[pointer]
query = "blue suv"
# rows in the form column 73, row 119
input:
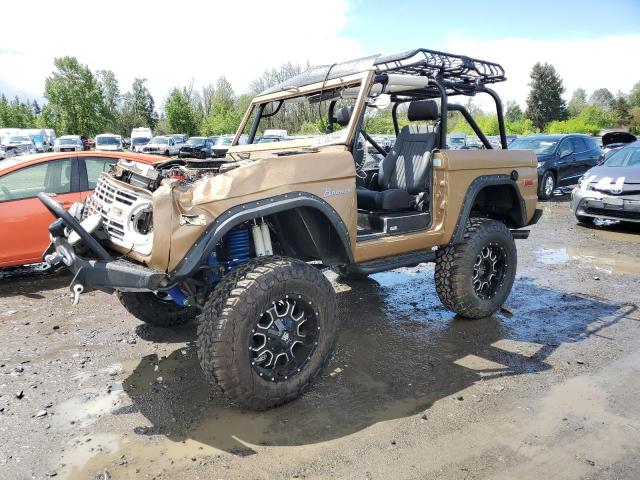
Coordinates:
column 562, row 159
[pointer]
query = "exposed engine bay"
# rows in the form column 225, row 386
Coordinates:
column 150, row 177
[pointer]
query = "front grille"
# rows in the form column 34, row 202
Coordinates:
column 114, row 205
column 605, row 212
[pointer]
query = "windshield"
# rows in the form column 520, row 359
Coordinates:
column 108, row 141
column 67, row 141
column 139, row 140
column 305, row 115
column 162, row 140
column 19, row 139
column 625, row 157
column 196, row 141
column 539, row 146
column 457, row 141
column 269, row 139
column 224, row 141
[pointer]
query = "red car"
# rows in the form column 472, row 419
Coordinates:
column 67, row 176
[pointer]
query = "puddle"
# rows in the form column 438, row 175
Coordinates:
column 589, row 257
column 85, row 448
column 85, row 409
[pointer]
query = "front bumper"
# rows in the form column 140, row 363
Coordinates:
column 106, row 275
column 594, row 204
column 98, row 269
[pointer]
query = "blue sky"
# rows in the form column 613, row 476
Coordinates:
column 379, row 26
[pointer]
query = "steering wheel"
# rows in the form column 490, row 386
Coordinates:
column 6, row 191
column 58, row 211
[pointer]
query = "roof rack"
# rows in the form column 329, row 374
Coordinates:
column 441, row 65
column 459, row 73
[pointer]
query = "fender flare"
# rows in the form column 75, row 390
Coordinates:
column 472, row 194
column 230, row 218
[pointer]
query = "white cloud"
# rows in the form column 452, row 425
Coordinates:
column 169, row 43
column 606, row 61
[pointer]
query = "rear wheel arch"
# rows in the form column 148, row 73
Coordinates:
column 491, row 196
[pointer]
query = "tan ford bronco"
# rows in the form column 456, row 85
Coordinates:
column 240, row 243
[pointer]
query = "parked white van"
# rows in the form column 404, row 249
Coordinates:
column 109, row 142
column 139, row 137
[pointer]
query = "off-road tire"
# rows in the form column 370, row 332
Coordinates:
column 455, row 264
column 151, row 309
column 230, row 314
column 542, row 194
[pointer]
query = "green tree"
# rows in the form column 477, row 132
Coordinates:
column 181, row 115
column 545, row 103
column 224, row 117
column 620, row 109
column 634, row 120
column 578, row 102
column 140, row 105
column 74, row 93
column 35, row 108
column 513, row 112
column 602, row 98
column 112, row 98
column 634, row 95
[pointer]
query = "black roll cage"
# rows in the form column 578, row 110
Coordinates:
column 443, row 93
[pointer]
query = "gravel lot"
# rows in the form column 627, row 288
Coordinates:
column 547, row 388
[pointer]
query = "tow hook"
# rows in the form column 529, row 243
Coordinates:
column 78, row 288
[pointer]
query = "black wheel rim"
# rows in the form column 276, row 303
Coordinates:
column 284, row 338
column 489, row 271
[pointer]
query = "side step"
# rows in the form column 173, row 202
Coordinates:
column 405, row 260
column 520, row 234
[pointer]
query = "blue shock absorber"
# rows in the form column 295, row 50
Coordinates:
column 237, row 247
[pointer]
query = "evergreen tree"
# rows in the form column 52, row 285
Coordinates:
column 578, row 102
column 545, row 103
column 620, row 109
column 513, row 112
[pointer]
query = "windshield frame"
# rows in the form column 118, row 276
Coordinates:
column 362, row 79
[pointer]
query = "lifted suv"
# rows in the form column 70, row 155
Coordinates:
column 241, row 242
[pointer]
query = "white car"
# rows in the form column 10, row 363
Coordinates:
column 68, row 143
column 109, row 142
column 161, row 145
column 23, row 144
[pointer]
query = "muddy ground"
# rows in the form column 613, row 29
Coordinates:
column 548, row 388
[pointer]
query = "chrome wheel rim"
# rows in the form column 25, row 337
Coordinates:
column 548, row 186
column 284, row 338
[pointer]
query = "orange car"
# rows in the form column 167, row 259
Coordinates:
column 67, row 176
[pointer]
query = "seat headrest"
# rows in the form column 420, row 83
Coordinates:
column 343, row 116
column 423, row 110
